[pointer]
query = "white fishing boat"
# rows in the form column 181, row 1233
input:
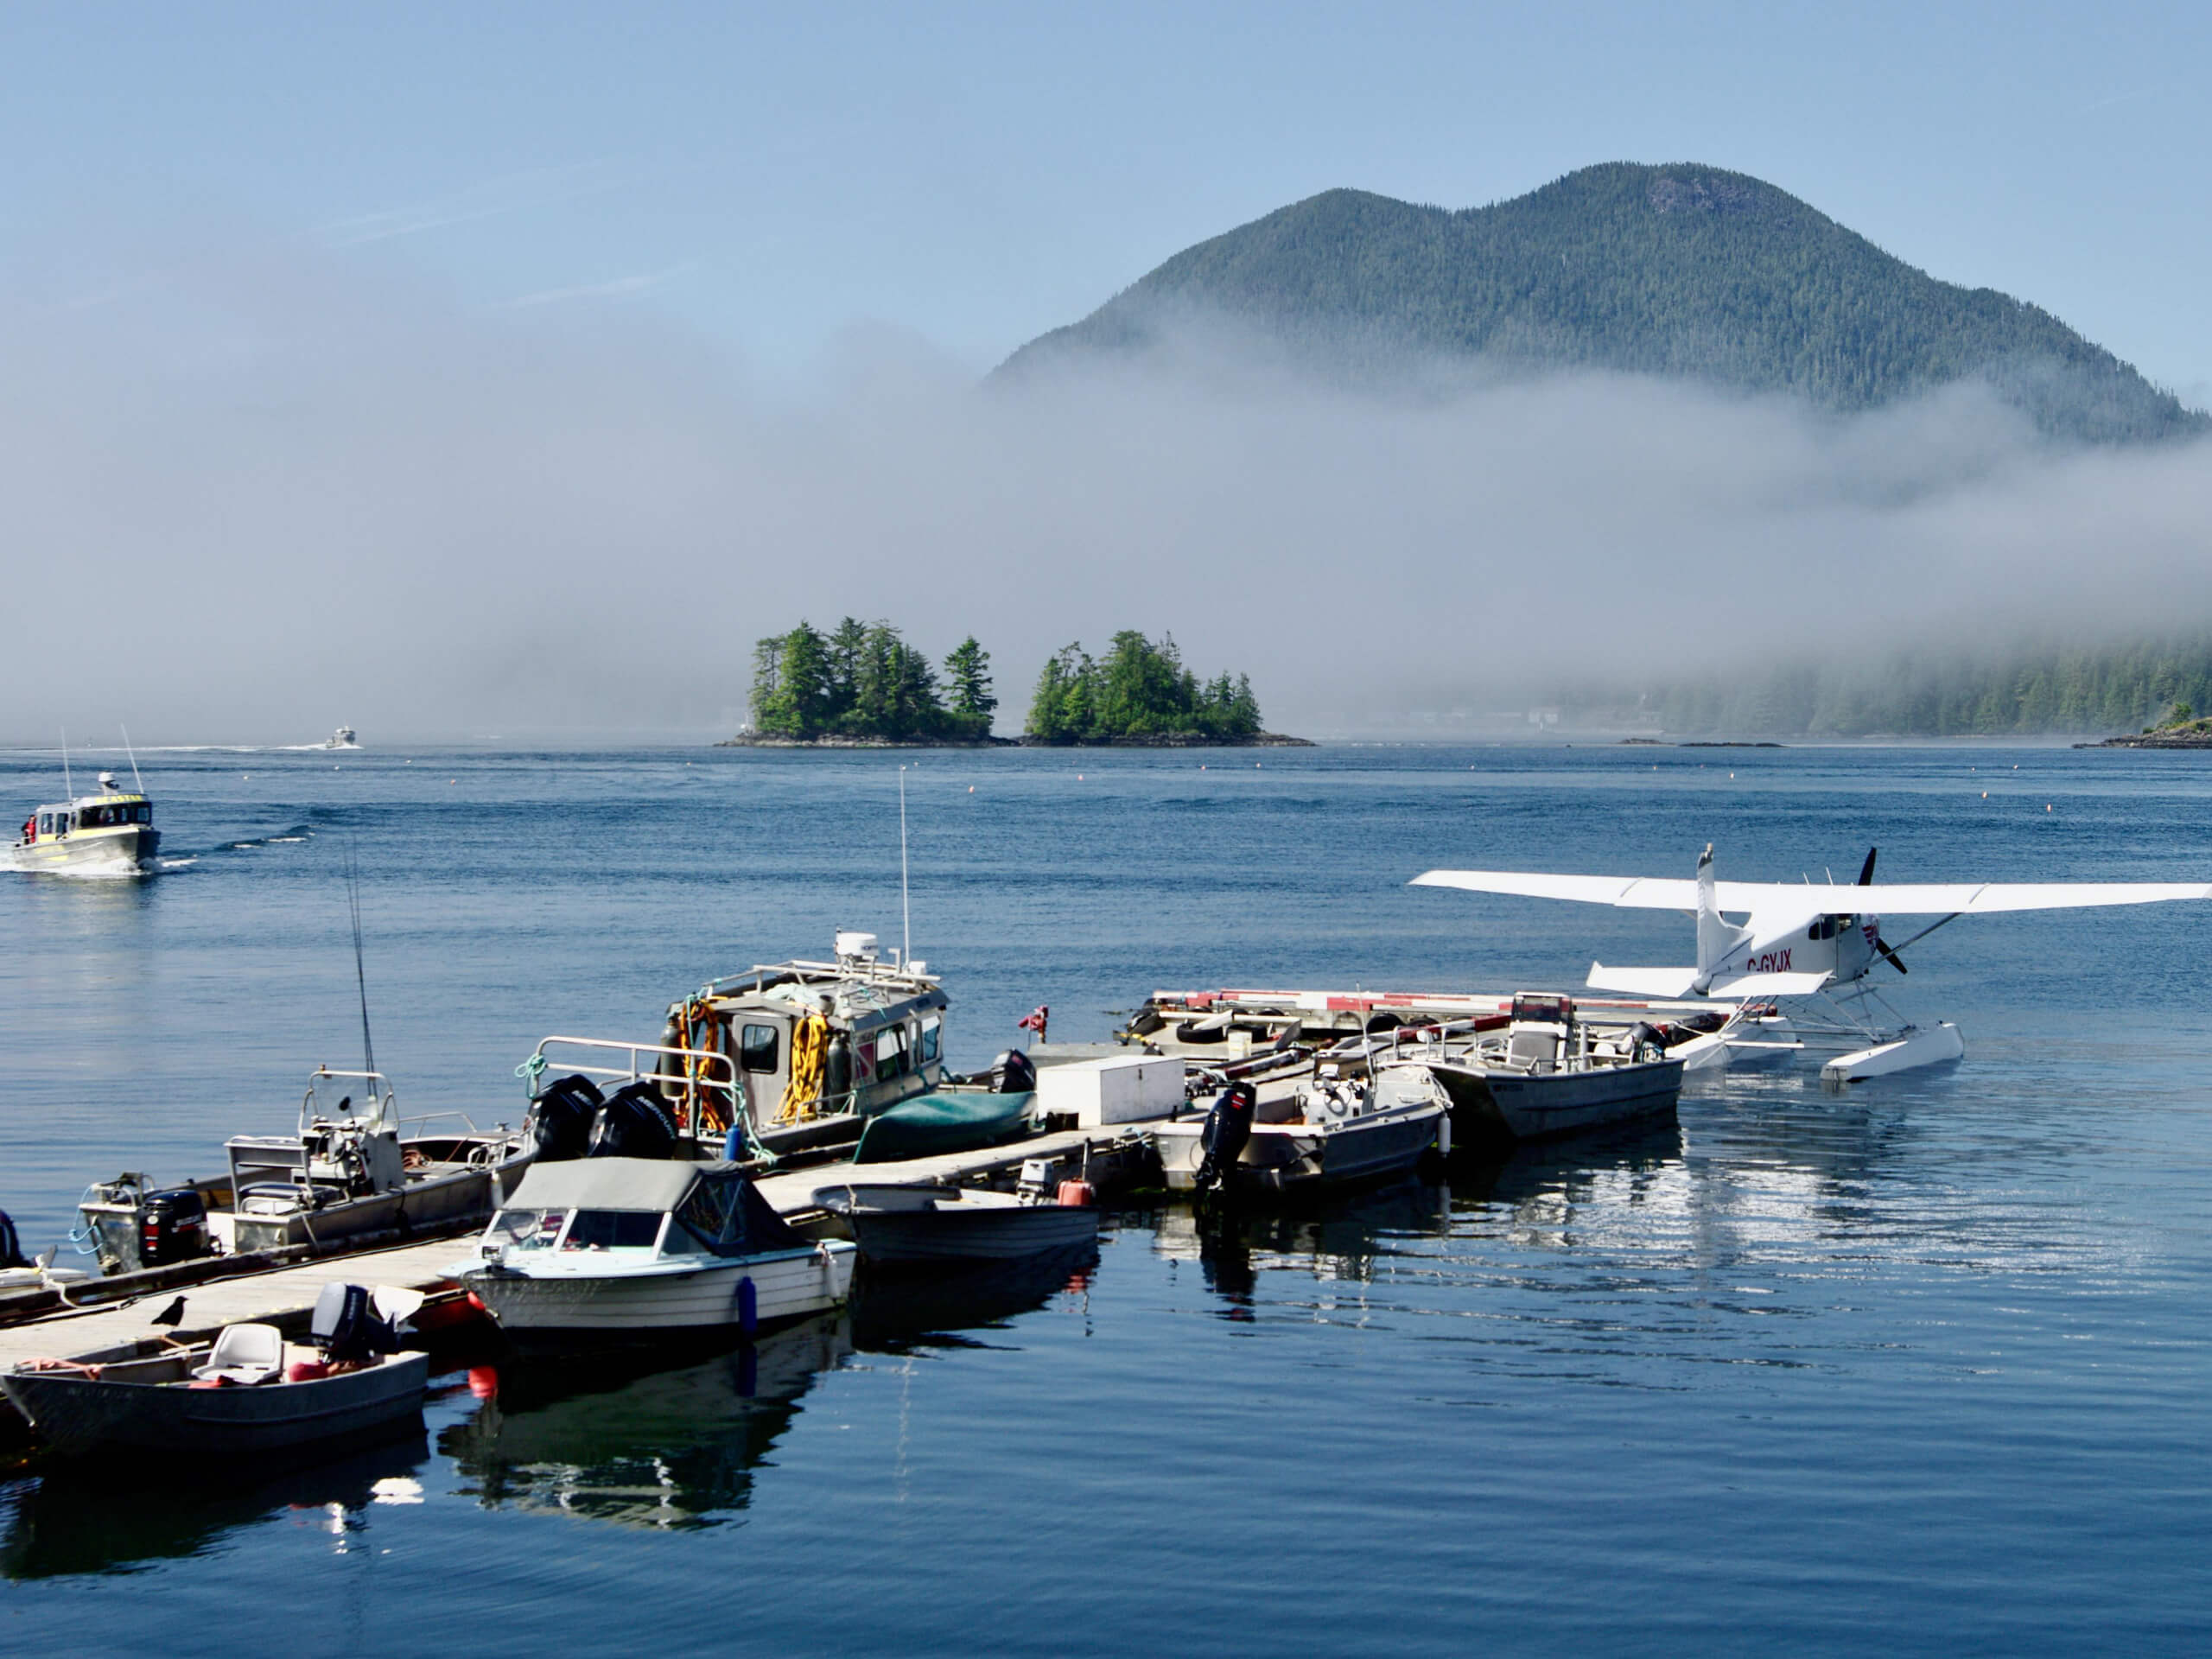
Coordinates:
column 341, row 1181
column 109, row 832
column 611, row 1249
column 340, row 739
column 1547, row 1073
column 1328, row 1130
column 249, row 1391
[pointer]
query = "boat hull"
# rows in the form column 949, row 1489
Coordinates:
column 437, row 1204
column 1006, row 1234
column 580, row 1308
column 125, row 849
column 79, row 1416
column 1284, row 1157
column 1500, row 1105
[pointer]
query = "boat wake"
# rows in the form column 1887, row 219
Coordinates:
column 298, row 832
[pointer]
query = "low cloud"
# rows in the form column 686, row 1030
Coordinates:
column 256, row 497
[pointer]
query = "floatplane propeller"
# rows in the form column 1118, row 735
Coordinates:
column 1802, row 940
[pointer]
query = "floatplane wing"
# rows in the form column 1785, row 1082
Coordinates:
column 1780, row 898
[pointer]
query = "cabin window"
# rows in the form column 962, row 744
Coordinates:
column 864, row 1057
column 142, row 813
column 891, row 1051
column 756, row 1048
column 613, row 1229
column 932, row 1031
column 527, row 1229
column 706, row 1212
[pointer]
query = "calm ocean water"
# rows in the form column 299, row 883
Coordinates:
column 1922, row 1368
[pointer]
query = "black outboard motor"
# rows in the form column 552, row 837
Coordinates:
column 1227, row 1127
column 346, row 1326
column 1013, row 1073
column 634, row 1123
column 11, row 1248
column 1646, row 1043
column 172, row 1227
column 561, row 1118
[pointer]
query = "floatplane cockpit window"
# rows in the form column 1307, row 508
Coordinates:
column 756, row 1048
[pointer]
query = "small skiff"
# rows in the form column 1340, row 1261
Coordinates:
column 924, row 1225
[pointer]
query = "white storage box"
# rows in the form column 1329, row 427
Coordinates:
column 1118, row 1090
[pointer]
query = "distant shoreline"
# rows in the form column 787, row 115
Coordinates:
column 1176, row 740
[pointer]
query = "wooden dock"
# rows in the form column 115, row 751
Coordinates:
column 286, row 1296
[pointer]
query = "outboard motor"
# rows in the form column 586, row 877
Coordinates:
column 346, row 1326
column 634, row 1123
column 1014, row 1073
column 1228, row 1128
column 172, row 1227
column 11, row 1248
column 1646, row 1043
column 561, row 1118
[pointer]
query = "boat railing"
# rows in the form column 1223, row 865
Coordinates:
column 379, row 1118
column 417, row 1128
column 696, row 1077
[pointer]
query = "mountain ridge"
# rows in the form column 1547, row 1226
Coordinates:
column 1682, row 270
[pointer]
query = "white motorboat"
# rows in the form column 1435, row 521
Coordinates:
column 1547, row 1073
column 601, row 1249
column 111, row 831
column 1327, row 1131
column 340, row 739
column 249, row 1391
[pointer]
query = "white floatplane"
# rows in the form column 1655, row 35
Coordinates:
column 1815, row 942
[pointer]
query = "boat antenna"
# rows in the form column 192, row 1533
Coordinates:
column 360, row 974
column 905, row 910
column 133, row 754
column 67, row 788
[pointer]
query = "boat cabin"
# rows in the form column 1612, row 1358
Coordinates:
column 113, row 809
column 634, row 1210
column 818, row 1046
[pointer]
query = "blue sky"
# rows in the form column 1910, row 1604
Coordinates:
column 771, row 177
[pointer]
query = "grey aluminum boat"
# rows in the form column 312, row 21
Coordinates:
column 249, row 1391
column 1546, row 1074
column 926, row 1225
column 1329, row 1131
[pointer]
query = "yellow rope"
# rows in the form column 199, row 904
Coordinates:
column 810, row 1042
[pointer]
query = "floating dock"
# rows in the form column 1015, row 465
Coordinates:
column 285, row 1296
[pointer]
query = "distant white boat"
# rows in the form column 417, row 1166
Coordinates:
column 341, row 739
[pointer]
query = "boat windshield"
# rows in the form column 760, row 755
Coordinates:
column 613, row 1229
column 527, row 1229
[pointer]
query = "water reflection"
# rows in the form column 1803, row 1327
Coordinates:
column 629, row 1439
column 103, row 1518
column 895, row 1315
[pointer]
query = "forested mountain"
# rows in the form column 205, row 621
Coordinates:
column 1941, row 693
column 1681, row 270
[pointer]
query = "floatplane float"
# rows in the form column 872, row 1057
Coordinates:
column 1814, row 945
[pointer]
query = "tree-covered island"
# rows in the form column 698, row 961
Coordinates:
column 862, row 683
column 1141, row 694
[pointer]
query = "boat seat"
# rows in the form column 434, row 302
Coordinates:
column 245, row 1354
column 1536, row 1047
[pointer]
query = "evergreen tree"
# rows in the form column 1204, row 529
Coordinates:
column 968, row 675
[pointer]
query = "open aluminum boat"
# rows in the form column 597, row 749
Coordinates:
column 1546, row 1074
column 1328, row 1131
column 601, row 1249
column 249, row 1391
column 923, row 1225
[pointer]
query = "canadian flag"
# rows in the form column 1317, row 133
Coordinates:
column 1035, row 1020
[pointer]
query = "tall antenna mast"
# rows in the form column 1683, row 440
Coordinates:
column 67, row 788
column 360, row 974
column 905, row 910
column 133, row 754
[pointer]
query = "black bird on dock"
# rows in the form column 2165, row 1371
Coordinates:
column 173, row 1315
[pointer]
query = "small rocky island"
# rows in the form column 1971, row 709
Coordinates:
column 862, row 686
column 2182, row 729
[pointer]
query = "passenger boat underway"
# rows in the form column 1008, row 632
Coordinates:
column 340, row 739
column 112, row 831
column 340, row 1181
column 1328, row 1130
column 609, row 1249
column 1546, row 1073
